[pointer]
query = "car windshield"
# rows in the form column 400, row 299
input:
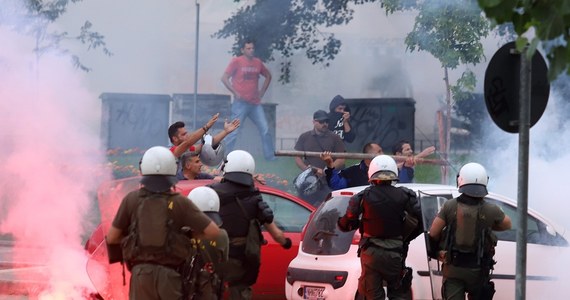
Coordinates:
column 322, row 235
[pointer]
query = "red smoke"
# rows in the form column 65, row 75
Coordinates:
column 50, row 165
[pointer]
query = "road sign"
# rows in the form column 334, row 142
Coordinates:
column 502, row 88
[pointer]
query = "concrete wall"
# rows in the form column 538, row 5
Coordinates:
column 142, row 120
column 134, row 120
column 381, row 120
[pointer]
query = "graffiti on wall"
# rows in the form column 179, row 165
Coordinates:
column 385, row 124
column 138, row 119
column 134, row 120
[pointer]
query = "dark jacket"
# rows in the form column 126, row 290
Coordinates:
column 235, row 222
column 336, row 121
column 355, row 175
column 383, row 210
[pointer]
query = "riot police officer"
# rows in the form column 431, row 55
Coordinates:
column 206, row 276
column 382, row 247
column 147, row 230
column 243, row 210
column 468, row 253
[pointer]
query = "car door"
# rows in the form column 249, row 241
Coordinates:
column 544, row 247
column 431, row 202
column 290, row 217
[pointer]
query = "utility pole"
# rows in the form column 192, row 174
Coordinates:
column 196, row 63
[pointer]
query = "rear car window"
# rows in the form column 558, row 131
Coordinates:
column 322, row 235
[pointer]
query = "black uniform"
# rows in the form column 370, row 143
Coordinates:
column 382, row 248
column 242, row 270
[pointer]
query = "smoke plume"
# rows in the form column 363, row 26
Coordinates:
column 51, row 163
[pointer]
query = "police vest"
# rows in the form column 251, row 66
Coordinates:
column 234, row 221
column 468, row 241
column 383, row 211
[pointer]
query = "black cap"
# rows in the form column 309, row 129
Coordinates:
column 320, row 115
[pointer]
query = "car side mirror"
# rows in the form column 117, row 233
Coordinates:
column 550, row 230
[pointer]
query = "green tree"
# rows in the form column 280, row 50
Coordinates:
column 548, row 19
column 451, row 31
column 34, row 17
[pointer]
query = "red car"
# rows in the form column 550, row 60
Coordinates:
column 291, row 214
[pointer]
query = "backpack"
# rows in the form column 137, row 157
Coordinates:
column 253, row 240
column 203, row 274
column 152, row 235
column 475, row 246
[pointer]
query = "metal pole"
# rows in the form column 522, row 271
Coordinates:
column 350, row 155
column 522, row 198
column 196, row 63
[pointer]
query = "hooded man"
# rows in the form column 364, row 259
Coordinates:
column 339, row 117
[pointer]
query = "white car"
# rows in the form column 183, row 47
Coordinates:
column 326, row 266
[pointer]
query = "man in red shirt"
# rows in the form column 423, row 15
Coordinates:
column 183, row 141
column 241, row 78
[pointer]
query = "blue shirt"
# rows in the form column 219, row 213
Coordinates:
column 406, row 174
column 355, row 175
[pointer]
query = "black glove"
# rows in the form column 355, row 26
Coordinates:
column 114, row 252
column 287, row 244
column 432, row 247
column 345, row 224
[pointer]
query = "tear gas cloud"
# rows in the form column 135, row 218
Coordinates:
column 51, row 162
column 153, row 45
column 549, row 160
column 154, row 48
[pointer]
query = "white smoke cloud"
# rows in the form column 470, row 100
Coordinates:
column 548, row 161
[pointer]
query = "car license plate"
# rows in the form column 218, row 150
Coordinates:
column 313, row 292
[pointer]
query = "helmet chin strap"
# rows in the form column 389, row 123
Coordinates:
column 457, row 180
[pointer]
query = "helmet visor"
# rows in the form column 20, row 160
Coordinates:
column 474, row 190
column 214, row 216
column 158, row 183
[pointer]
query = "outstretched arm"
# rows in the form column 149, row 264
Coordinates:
column 426, row 152
column 194, row 137
column 228, row 128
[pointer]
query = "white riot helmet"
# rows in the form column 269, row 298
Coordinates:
column 211, row 155
column 239, row 167
column 307, row 183
column 383, row 167
column 208, row 201
column 158, row 167
column 472, row 180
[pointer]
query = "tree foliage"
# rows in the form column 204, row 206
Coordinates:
column 448, row 29
column 550, row 21
column 288, row 27
column 34, row 17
